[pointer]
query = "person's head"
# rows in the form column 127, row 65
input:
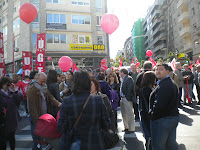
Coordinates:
column 51, row 77
column 15, row 78
column 147, row 65
column 69, row 75
column 5, row 83
column 32, row 74
column 26, row 78
column 41, row 78
column 90, row 72
column 148, row 79
column 81, row 82
column 123, row 72
column 186, row 67
column 59, row 79
column 101, row 76
column 19, row 76
column 95, row 87
column 63, row 78
column 97, row 71
column 133, row 67
column 178, row 65
column 198, row 67
column 162, row 70
column 113, row 78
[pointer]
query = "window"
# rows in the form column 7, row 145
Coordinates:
column 34, row 40
column 56, row 38
column 98, row 20
column 35, row 23
column 14, row 25
column 14, row 10
column 100, row 40
column 193, row 11
column 36, row 3
column 79, row 19
column 81, row 2
column 56, row 18
column 98, row 5
column 5, row 30
column 52, row 1
column 18, row 23
column 84, row 39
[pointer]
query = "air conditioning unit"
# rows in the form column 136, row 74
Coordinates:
column 16, row 49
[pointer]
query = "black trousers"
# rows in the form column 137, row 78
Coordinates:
column 9, row 138
column 198, row 91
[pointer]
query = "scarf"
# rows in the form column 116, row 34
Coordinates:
column 42, row 90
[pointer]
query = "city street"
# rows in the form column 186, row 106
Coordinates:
column 187, row 132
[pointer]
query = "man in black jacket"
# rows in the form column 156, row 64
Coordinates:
column 164, row 111
column 127, row 99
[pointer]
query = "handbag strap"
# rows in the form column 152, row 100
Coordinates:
column 79, row 117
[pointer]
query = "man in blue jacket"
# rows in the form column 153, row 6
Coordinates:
column 164, row 111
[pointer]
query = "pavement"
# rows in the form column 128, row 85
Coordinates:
column 187, row 132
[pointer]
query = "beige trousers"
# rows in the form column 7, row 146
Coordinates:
column 127, row 114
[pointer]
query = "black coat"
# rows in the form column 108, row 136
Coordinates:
column 53, row 88
column 164, row 100
column 128, row 88
column 2, row 119
column 88, row 130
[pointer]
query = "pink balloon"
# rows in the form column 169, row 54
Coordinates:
column 49, row 58
column 28, row 12
column 149, row 53
column 137, row 64
column 65, row 63
column 109, row 23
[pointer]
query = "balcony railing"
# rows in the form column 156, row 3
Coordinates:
column 185, row 32
column 181, row 3
column 183, row 17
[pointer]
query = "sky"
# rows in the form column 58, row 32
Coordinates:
column 127, row 11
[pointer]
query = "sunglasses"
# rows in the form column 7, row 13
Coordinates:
column 8, row 84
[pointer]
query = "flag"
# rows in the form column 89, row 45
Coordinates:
column 173, row 64
column 132, row 61
column 74, row 68
column 153, row 61
column 136, row 59
column 197, row 62
column 120, row 61
column 53, row 67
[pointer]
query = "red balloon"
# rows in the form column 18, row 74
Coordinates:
column 149, row 53
column 49, row 58
column 137, row 64
column 109, row 23
column 28, row 12
column 103, row 61
column 65, row 63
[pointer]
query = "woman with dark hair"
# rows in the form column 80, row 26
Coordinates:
column 105, row 88
column 147, row 85
column 53, row 88
column 86, row 135
column 95, row 90
column 66, row 86
column 10, row 101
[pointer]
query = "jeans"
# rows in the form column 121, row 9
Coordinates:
column 163, row 133
column 36, row 146
column 76, row 145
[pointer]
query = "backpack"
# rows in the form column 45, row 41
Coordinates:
column 114, row 99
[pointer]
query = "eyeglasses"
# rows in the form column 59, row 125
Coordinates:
column 68, row 74
column 8, row 84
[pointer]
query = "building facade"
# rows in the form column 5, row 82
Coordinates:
column 72, row 28
column 173, row 25
column 128, row 49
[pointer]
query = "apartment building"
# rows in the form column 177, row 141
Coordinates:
column 173, row 25
column 72, row 28
column 128, row 49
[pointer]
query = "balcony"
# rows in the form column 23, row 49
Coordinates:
column 188, row 46
column 184, row 17
column 185, row 32
column 160, row 47
column 182, row 4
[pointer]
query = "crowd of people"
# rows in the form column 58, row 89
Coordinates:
column 87, row 103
